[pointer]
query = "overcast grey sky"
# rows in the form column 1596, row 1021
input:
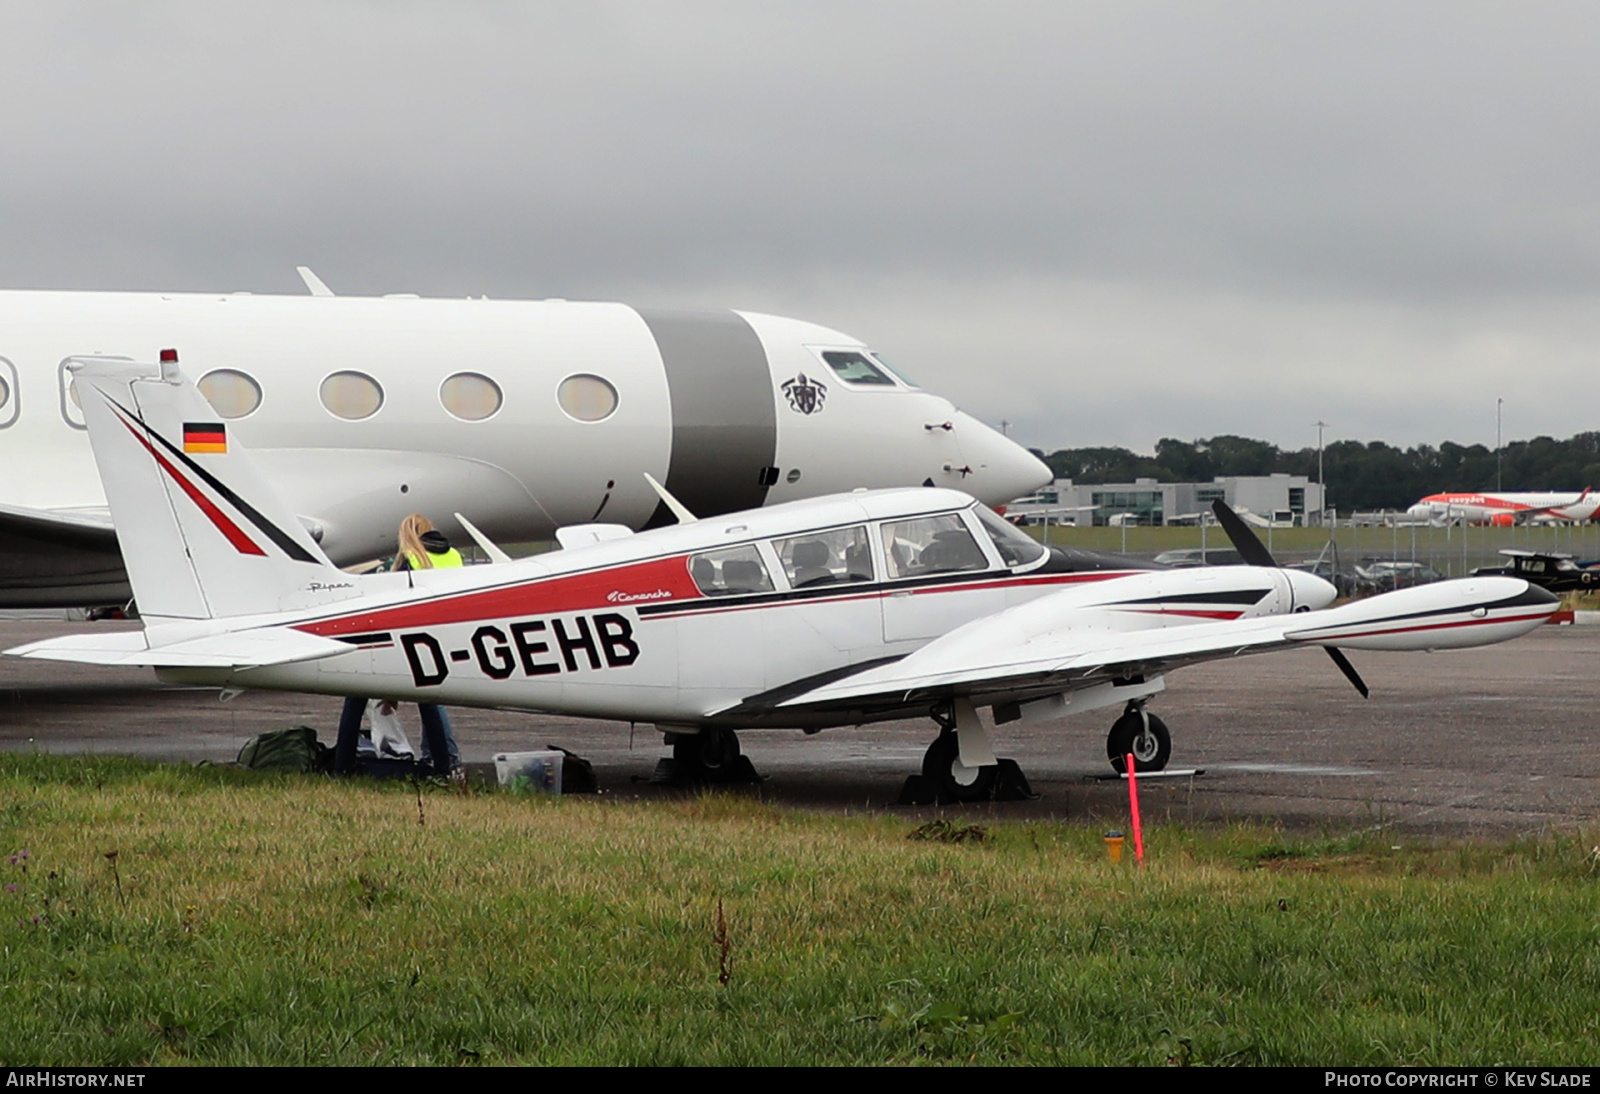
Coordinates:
column 1105, row 222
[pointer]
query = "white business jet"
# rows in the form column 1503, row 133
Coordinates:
column 529, row 415
column 826, row 612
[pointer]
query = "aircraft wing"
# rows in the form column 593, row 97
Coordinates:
column 59, row 557
column 996, row 659
column 237, row 649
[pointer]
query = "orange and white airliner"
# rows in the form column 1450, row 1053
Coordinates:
column 842, row 610
column 1506, row 509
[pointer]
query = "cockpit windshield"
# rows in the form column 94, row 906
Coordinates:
column 1016, row 547
column 856, row 368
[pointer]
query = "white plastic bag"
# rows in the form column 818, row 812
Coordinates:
column 388, row 735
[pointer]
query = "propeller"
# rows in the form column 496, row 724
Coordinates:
column 1255, row 553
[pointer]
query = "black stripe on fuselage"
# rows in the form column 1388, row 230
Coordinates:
column 285, row 543
column 1229, row 596
column 772, row 698
column 377, row 638
column 850, row 590
column 724, row 411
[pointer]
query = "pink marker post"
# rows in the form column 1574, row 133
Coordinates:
column 1133, row 806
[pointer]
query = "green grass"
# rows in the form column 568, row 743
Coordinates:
column 277, row 920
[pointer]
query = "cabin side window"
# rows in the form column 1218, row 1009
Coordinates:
column 10, row 395
column 835, row 557
column 231, row 393
column 730, row 572
column 930, row 545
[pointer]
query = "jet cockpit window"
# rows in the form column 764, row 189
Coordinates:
column 897, row 373
column 834, row 557
column 931, row 545
column 231, row 393
column 730, row 572
column 470, row 396
column 1016, row 547
column 351, row 395
column 856, row 368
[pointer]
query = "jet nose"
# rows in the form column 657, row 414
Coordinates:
column 1002, row 470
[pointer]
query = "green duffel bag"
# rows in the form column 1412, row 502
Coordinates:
column 292, row 749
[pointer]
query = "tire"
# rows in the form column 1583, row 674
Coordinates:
column 712, row 751
column 1150, row 750
column 954, row 780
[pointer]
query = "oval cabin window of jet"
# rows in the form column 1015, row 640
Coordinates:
column 587, row 398
column 10, row 400
column 351, row 395
column 470, row 397
column 231, row 393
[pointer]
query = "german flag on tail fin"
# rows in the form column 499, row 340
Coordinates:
column 205, row 437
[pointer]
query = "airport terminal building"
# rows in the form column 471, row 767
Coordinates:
column 1286, row 500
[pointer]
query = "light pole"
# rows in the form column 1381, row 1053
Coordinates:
column 1499, row 459
column 1322, row 486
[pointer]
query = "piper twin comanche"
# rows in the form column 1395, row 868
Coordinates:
column 835, row 611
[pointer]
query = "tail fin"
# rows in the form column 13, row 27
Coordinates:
column 202, row 534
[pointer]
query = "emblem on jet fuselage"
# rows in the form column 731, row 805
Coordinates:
column 805, row 394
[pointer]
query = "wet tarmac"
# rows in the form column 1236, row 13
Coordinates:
column 1491, row 742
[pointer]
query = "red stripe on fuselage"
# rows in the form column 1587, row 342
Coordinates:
column 1197, row 613
column 622, row 587
column 235, row 535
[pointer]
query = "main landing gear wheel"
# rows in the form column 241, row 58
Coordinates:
column 710, row 755
column 953, row 780
column 1143, row 734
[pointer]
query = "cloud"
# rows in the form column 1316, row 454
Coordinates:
column 1100, row 222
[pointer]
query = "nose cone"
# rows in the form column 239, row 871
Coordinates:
column 1310, row 591
column 1421, row 509
column 1002, row 470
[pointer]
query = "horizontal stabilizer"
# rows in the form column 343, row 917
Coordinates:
column 87, row 531
column 240, row 649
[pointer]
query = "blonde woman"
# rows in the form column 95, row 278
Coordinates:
column 422, row 547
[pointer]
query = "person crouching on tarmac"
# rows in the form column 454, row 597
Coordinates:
column 422, row 547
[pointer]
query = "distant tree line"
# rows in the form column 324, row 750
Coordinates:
column 1374, row 475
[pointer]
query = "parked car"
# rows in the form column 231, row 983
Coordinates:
column 1383, row 575
column 1193, row 556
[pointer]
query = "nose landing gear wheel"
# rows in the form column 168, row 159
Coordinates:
column 1144, row 735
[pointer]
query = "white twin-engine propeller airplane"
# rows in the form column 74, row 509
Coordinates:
column 834, row 611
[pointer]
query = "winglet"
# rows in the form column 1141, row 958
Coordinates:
column 679, row 510
column 313, row 282
column 489, row 548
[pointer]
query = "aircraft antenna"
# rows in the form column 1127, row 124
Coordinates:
column 679, row 510
column 488, row 545
column 313, row 282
